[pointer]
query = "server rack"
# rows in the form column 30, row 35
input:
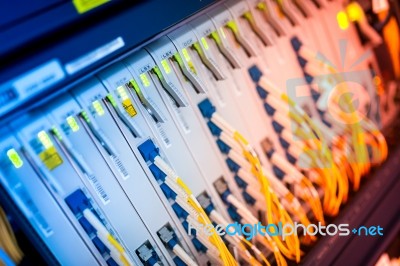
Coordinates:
column 366, row 207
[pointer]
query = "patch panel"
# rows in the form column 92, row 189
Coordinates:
column 240, row 244
column 51, row 162
column 196, row 140
column 62, row 163
column 157, row 130
column 252, row 116
column 201, row 142
column 243, row 105
column 122, row 142
column 171, row 149
column 237, row 117
column 180, row 36
column 195, row 133
column 253, row 190
column 66, row 112
column 194, row 136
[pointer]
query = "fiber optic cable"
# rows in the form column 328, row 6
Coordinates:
column 342, row 149
column 8, row 242
column 280, row 218
column 242, row 215
column 224, row 252
column 150, row 153
column 81, row 207
column 240, row 242
column 357, row 133
column 117, row 252
column 209, row 112
column 214, row 215
column 281, row 108
column 232, row 26
column 378, row 154
column 181, row 253
column 242, row 169
column 359, row 136
column 317, row 142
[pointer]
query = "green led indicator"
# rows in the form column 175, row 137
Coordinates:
column 14, row 158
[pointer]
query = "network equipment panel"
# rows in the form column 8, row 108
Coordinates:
column 177, row 147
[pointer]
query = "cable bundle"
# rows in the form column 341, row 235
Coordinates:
column 246, row 248
column 242, row 159
column 358, row 138
column 290, row 121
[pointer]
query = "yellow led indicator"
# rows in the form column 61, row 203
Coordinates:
column 166, row 66
column 83, row 6
column 232, row 25
column 342, row 20
column 261, row 6
column 192, row 68
column 186, row 54
column 45, row 139
column 188, row 60
column 98, row 108
column 127, row 104
column 355, row 12
column 14, row 158
column 204, row 42
column 72, row 123
column 50, row 158
column 122, row 93
column 145, row 79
